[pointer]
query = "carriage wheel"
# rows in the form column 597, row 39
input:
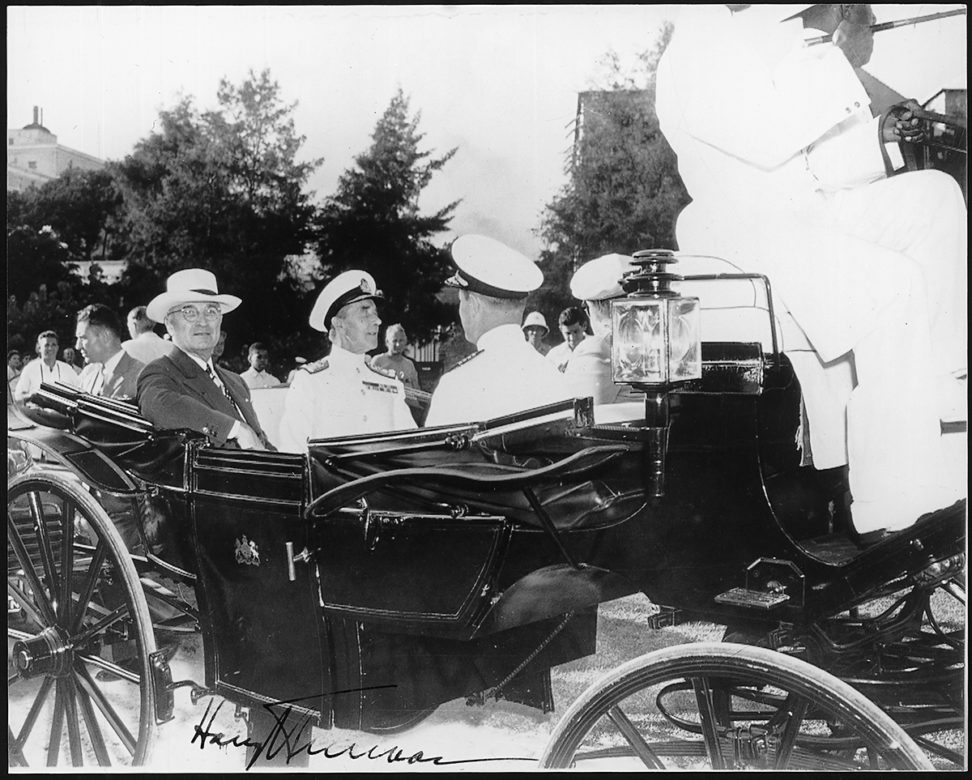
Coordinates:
column 79, row 635
column 727, row 706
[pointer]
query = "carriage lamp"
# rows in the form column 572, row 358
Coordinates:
column 656, row 339
column 656, row 344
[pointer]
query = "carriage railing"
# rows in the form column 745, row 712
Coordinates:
column 73, row 404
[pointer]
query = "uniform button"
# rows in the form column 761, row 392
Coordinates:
column 848, row 109
column 857, row 104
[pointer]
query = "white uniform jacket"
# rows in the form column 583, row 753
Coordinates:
column 506, row 375
column 589, row 373
column 787, row 173
column 148, row 346
column 341, row 395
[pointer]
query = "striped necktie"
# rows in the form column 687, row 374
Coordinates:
column 219, row 383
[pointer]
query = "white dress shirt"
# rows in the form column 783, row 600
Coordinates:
column 36, row 372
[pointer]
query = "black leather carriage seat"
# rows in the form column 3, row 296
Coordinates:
column 483, row 468
column 114, row 427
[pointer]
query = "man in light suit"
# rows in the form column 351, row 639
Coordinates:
column 110, row 371
column 184, row 389
column 788, row 171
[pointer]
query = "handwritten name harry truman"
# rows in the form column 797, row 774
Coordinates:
column 287, row 737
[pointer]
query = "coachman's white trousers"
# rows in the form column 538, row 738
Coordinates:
column 878, row 271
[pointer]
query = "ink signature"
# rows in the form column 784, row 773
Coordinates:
column 290, row 737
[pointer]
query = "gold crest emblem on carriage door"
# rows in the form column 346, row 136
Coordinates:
column 246, row 552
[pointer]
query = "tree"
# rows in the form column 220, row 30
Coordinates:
column 373, row 223
column 623, row 191
column 223, row 190
column 80, row 206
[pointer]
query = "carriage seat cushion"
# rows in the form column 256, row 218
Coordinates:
column 475, row 478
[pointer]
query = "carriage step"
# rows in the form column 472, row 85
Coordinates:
column 756, row 599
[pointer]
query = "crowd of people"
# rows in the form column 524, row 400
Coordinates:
column 870, row 266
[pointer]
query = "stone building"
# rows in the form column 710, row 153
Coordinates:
column 34, row 156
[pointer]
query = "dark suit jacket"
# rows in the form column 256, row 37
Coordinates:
column 120, row 383
column 174, row 392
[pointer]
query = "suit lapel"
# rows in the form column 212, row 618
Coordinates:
column 199, row 383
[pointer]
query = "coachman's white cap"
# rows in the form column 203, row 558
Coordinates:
column 191, row 285
column 345, row 288
column 600, row 279
column 535, row 320
column 486, row 266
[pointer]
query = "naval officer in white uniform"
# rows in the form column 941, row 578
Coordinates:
column 342, row 395
column 788, row 174
column 506, row 374
column 589, row 371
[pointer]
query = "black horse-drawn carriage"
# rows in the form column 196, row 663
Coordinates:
column 372, row 579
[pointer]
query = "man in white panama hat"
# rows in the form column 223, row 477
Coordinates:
column 506, row 374
column 789, row 174
column 343, row 394
column 184, row 389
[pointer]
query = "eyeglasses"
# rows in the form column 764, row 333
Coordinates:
column 191, row 313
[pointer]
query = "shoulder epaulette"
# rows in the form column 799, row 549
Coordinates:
column 466, row 359
column 385, row 372
column 313, row 368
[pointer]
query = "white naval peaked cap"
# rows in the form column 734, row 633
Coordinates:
column 535, row 320
column 191, row 285
column 600, row 279
column 345, row 288
column 486, row 266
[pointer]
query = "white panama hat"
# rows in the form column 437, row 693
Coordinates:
column 192, row 285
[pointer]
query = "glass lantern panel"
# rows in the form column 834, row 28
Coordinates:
column 638, row 352
column 684, row 339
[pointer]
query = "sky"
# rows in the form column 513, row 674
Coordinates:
column 498, row 82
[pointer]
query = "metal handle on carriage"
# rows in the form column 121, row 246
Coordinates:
column 302, row 557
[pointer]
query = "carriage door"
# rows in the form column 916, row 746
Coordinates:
column 261, row 612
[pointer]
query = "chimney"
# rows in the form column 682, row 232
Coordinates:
column 35, row 115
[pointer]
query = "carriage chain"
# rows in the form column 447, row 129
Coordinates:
column 498, row 688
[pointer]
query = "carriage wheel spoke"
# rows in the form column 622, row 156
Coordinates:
column 117, row 614
column 705, row 697
column 94, row 730
column 74, row 732
column 26, row 603
column 34, row 711
column 108, row 666
column 67, row 559
column 634, row 738
column 57, row 723
column 15, row 540
column 114, row 720
column 44, row 543
column 796, row 710
column 94, row 570
column 15, row 756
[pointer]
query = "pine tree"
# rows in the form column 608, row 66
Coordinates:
column 623, row 191
column 373, row 223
